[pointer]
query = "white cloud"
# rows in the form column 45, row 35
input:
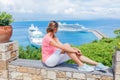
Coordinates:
column 6, row 2
column 62, row 9
column 69, row 10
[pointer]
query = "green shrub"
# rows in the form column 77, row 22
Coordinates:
column 100, row 51
column 117, row 32
column 30, row 53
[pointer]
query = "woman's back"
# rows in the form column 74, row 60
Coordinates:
column 47, row 49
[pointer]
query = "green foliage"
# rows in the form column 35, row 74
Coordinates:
column 118, row 36
column 95, row 41
column 117, row 47
column 5, row 19
column 30, row 53
column 100, row 51
column 117, row 32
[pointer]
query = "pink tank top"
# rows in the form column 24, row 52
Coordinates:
column 47, row 49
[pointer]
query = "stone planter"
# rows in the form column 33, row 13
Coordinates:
column 5, row 33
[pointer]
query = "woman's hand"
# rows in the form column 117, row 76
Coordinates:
column 78, row 52
column 62, row 52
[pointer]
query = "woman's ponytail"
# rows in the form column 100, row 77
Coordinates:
column 50, row 29
column 51, row 26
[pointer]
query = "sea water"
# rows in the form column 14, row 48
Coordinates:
column 74, row 37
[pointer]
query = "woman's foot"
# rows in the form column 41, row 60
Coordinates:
column 100, row 66
column 85, row 68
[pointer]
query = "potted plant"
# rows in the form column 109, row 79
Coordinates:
column 5, row 28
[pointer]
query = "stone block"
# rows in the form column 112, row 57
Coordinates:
column 14, row 54
column 38, row 71
column 117, row 77
column 90, row 79
column 16, row 75
column 61, row 74
column 9, row 46
column 107, row 78
column 117, row 68
column 46, row 79
column 22, row 69
column 5, row 74
column 36, row 77
column 12, row 68
column 6, row 55
column 43, row 73
column 51, row 75
column 113, row 60
column 61, row 79
column 32, row 70
column 26, row 74
column 73, row 79
column 68, row 74
column 27, row 78
column 3, row 65
column 9, row 55
column 118, row 56
column 3, row 79
column 0, row 73
column 79, row 75
column 0, row 56
column 96, row 76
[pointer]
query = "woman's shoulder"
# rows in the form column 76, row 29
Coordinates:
column 55, row 38
column 47, row 37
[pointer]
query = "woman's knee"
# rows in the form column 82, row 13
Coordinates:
column 67, row 45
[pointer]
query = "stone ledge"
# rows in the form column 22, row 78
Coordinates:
column 60, row 71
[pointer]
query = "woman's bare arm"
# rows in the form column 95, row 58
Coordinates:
column 57, row 40
column 61, row 46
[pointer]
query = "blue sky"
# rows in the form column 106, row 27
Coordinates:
column 61, row 9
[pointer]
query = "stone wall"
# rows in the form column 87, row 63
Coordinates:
column 8, row 52
column 34, row 70
column 13, row 68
